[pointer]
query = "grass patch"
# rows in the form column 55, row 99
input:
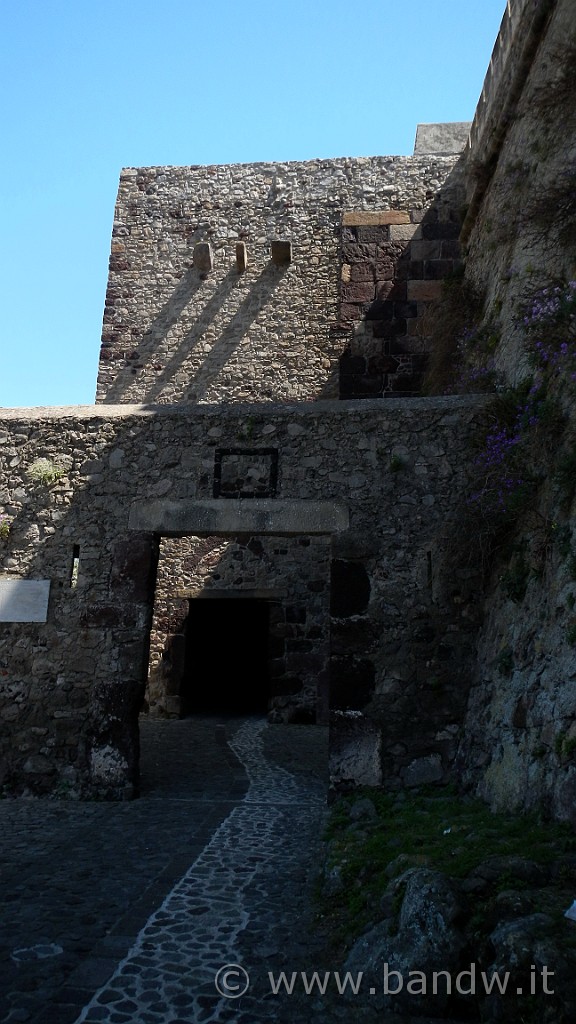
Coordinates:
column 45, row 471
column 427, row 828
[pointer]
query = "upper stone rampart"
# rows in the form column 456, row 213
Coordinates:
column 512, row 55
column 203, row 305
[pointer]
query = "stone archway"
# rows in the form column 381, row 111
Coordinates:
column 270, row 591
column 268, row 555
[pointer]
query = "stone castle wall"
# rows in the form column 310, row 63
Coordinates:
column 383, row 481
column 292, row 283
column 519, row 232
column 520, row 20
column 212, row 312
column 520, row 238
column 186, row 324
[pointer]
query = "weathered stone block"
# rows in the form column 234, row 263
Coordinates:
column 355, row 750
column 350, row 312
column 405, row 384
column 354, row 252
column 356, row 218
column 202, row 257
column 442, row 230
column 448, row 137
column 379, row 235
column 296, row 614
column 351, row 636
column 427, row 250
column 361, row 386
column 405, row 310
column 258, row 516
column 38, row 764
column 451, row 249
column 241, row 257
column 106, row 616
column 381, row 309
column 389, row 329
column 352, row 364
column 384, row 270
column 404, row 232
column 361, row 273
column 287, row 686
column 132, row 566
column 382, row 364
column 132, row 661
column 391, row 290
column 359, row 291
column 436, row 270
column 424, row 291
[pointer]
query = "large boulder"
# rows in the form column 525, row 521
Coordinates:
column 531, row 965
column 401, row 959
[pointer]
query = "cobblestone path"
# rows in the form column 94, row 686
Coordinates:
column 222, row 911
column 127, row 912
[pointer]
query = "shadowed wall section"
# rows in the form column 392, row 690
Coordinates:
column 343, row 527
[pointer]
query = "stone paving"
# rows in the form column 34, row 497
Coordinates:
column 178, row 907
column 126, row 912
column 172, row 972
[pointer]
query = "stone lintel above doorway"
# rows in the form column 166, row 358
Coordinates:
column 212, row 594
column 224, row 516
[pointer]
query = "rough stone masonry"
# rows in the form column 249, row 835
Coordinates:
column 259, row 439
column 72, row 686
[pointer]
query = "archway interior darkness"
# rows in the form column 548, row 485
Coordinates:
column 226, row 659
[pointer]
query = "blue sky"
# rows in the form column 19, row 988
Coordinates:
column 91, row 86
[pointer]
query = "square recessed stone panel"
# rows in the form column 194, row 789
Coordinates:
column 245, row 473
column 24, row 600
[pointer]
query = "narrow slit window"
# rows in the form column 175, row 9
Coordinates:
column 75, row 566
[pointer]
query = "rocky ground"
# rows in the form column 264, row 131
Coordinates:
column 128, row 911
column 428, row 882
column 217, row 897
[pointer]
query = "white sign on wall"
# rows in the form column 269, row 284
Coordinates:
column 24, row 600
